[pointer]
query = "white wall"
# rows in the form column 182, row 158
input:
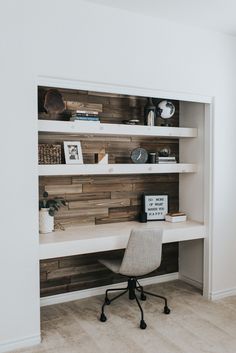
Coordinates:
column 77, row 40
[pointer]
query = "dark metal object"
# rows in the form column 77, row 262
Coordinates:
column 143, row 217
column 152, row 157
column 150, row 113
column 164, row 152
column 133, row 285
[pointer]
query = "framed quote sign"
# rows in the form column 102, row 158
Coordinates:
column 156, row 207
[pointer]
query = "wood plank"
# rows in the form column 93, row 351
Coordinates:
column 81, row 212
column 106, row 187
column 99, row 203
column 167, row 188
column 53, row 290
column 49, row 265
column 130, row 179
column 55, row 180
column 88, row 196
column 87, row 259
column 72, row 105
column 43, row 275
column 63, row 189
column 124, row 214
column 69, row 222
column 75, row 271
column 121, row 195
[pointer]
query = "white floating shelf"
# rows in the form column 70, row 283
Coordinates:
column 105, row 237
column 96, row 128
column 113, row 169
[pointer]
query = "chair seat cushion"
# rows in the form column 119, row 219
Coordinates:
column 113, row 265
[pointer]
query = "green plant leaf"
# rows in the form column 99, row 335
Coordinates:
column 51, row 212
column 45, row 194
column 53, row 204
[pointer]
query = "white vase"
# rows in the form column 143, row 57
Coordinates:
column 46, row 222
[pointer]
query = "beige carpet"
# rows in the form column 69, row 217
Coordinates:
column 194, row 325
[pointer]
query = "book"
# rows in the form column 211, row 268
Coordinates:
column 166, row 162
column 163, row 160
column 176, row 214
column 84, row 118
column 175, row 217
column 89, row 112
column 85, row 114
column 166, row 158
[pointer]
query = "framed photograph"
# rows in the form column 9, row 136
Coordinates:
column 73, row 152
column 156, row 207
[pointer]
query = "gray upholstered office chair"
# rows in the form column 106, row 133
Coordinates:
column 142, row 256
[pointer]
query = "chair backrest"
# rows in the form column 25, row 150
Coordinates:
column 143, row 252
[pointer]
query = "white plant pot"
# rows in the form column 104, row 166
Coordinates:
column 46, row 222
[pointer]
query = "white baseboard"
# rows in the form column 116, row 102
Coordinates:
column 220, row 294
column 191, row 281
column 86, row 293
column 21, row 343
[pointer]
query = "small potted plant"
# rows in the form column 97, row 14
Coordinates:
column 47, row 209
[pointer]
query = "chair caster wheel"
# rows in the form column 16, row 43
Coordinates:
column 166, row 310
column 143, row 297
column 143, row 325
column 103, row 317
column 107, row 301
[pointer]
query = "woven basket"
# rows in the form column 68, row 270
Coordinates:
column 49, row 154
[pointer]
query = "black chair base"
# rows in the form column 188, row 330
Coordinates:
column 132, row 287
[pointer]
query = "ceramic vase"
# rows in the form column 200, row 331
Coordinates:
column 46, row 222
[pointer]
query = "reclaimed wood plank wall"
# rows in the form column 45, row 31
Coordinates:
column 72, row 273
column 104, row 199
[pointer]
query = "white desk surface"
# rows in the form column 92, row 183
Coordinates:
column 113, row 236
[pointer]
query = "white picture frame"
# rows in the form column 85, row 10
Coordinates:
column 73, row 152
column 156, row 207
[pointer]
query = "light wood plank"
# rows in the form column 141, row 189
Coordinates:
column 63, row 189
column 73, row 105
column 99, row 203
column 107, row 187
column 81, row 212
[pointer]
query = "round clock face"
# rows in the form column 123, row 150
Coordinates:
column 139, row 155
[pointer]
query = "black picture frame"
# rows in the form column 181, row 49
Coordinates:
column 156, row 206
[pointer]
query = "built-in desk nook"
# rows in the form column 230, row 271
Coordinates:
column 104, row 200
column 92, row 239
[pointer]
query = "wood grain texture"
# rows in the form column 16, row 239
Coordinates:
column 104, row 199
column 81, row 272
column 63, row 189
column 72, row 105
column 99, row 203
column 115, row 107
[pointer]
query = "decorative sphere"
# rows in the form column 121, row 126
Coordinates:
column 166, row 109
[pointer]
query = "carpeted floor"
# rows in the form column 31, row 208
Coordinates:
column 194, row 325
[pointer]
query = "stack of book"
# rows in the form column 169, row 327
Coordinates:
column 166, row 160
column 175, row 217
column 85, row 115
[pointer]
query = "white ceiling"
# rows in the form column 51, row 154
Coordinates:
column 217, row 15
